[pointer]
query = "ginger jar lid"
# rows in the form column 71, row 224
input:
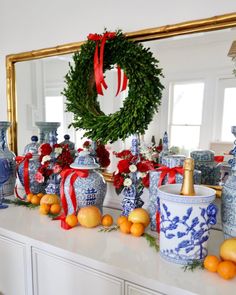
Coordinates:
column 84, row 161
column 203, row 155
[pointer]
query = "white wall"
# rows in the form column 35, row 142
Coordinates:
column 26, row 25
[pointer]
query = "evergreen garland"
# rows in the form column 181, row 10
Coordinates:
column 144, row 97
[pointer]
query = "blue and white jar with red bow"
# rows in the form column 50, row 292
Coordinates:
column 82, row 185
column 27, row 167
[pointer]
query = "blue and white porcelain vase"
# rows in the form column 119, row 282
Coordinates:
column 33, row 146
column 90, row 190
column 53, row 184
column 170, row 161
column 165, row 147
column 132, row 194
column 5, row 153
column 204, row 161
column 185, row 223
column 48, row 132
column 228, row 198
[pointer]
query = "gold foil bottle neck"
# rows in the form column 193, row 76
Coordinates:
column 187, row 188
column 189, row 164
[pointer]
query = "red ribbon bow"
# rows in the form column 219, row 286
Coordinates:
column 64, row 174
column 98, row 63
column 172, row 174
column 25, row 159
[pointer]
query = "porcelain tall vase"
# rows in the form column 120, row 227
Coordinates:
column 228, row 198
column 48, row 132
column 5, row 153
column 131, row 195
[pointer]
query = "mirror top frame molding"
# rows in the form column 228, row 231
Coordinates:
column 194, row 26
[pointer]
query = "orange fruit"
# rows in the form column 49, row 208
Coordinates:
column 40, row 195
column 228, row 250
column 55, row 209
column 35, row 200
column 71, row 220
column 125, row 227
column 50, row 199
column 227, row 270
column 120, row 219
column 137, row 229
column 89, row 216
column 44, row 209
column 28, row 197
column 107, row 220
column 139, row 215
column 211, row 263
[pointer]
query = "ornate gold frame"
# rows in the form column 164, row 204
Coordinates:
column 195, row 26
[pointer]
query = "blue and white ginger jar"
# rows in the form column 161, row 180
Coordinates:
column 204, row 161
column 90, row 190
column 35, row 186
column 185, row 222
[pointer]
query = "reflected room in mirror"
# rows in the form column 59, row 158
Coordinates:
column 198, row 102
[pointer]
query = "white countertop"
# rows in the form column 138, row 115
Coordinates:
column 121, row 255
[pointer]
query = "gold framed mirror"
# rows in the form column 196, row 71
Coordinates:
column 184, row 28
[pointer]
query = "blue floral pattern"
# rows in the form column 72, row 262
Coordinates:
column 153, row 207
column 189, row 232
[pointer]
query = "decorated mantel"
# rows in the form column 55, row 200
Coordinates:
column 68, row 187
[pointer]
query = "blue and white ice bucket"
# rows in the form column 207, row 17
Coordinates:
column 185, row 222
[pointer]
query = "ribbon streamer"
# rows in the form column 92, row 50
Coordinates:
column 25, row 159
column 64, row 174
column 98, row 62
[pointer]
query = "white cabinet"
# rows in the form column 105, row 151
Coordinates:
column 55, row 275
column 13, row 278
column 132, row 289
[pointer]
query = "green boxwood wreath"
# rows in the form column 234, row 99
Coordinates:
column 144, row 96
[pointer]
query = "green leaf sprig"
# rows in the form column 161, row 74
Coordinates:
column 152, row 241
column 108, row 229
column 19, row 202
column 193, row 265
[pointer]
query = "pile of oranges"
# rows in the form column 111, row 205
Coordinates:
column 34, row 199
column 52, row 207
column 225, row 268
column 134, row 224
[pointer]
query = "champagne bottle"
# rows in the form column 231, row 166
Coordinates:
column 187, row 188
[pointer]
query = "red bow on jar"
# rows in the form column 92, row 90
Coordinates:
column 171, row 172
column 19, row 160
column 98, row 63
column 75, row 173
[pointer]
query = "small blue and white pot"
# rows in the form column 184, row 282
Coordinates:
column 185, row 222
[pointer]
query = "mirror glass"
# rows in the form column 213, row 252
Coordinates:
column 197, row 105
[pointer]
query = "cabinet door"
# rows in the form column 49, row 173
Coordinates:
column 55, row 275
column 12, row 267
column 132, row 289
